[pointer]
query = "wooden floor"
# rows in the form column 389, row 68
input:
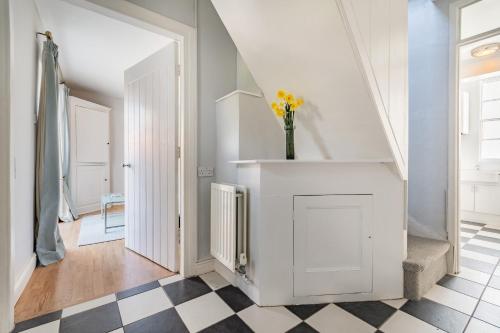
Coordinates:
column 86, row 272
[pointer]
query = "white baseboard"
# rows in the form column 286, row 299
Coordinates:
column 23, row 279
column 88, row 209
column 480, row 217
column 202, row 267
column 247, row 286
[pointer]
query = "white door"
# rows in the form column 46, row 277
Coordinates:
column 89, row 131
column 332, row 244
column 151, row 213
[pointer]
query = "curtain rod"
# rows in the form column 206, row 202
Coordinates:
column 47, row 34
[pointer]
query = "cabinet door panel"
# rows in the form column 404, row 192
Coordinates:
column 92, row 135
column 332, row 244
column 487, row 199
column 91, row 183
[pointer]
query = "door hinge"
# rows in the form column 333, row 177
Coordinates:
column 178, row 152
column 178, row 70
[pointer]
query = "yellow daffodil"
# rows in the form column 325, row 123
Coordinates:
column 286, row 101
column 280, row 112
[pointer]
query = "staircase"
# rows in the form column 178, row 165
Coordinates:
column 424, row 266
column 347, row 58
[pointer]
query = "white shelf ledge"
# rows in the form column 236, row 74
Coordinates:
column 312, row 161
column 238, row 92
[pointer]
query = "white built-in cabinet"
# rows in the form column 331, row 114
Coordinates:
column 321, row 231
column 480, row 202
column 332, row 251
column 89, row 154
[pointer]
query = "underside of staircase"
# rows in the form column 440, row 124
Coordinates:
column 425, row 265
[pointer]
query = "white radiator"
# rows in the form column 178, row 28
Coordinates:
column 228, row 225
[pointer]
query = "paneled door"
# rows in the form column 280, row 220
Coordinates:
column 151, row 209
column 89, row 173
column 332, row 244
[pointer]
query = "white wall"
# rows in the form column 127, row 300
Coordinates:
column 216, row 78
column 25, row 22
column 475, row 67
column 244, row 79
column 428, row 92
column 6, row 276
column 116, row 134
column 339, row 119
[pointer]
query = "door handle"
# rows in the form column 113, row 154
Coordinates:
column 126, row 165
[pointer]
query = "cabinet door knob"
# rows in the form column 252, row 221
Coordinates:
column 125, row 165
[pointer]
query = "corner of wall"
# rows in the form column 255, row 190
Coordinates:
column 416, row 228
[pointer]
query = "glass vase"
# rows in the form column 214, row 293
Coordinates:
column 289, row 142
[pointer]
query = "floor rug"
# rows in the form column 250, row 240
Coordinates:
column 92, row 229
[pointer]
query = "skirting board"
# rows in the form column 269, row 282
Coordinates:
column 88, row 209
column 236, row 280
column 23, row 279
column 480, row 217
column 202, row 267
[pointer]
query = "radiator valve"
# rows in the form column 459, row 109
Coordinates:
column 243, row 259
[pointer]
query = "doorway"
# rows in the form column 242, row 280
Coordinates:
column 474, row 156
column 185, row 129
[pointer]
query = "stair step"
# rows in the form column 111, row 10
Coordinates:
column 425, row 265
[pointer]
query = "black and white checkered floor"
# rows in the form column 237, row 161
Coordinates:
column 468, row 302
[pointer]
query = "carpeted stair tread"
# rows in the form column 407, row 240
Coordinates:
column 422, row 252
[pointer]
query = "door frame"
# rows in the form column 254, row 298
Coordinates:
column 453, row 197
column 186, row 37
column 6, row 229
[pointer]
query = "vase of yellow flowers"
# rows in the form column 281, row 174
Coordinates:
column 285, row 108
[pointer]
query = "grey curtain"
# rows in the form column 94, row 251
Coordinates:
column 67, row 211
column 49, row 244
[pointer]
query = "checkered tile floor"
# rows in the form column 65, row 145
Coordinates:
column 469, row 302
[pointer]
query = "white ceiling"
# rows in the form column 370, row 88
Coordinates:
column 94, row 50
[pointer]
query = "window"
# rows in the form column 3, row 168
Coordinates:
column 490, row 120
column 479, row 17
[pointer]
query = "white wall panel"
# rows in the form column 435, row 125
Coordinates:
column 380, row 42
